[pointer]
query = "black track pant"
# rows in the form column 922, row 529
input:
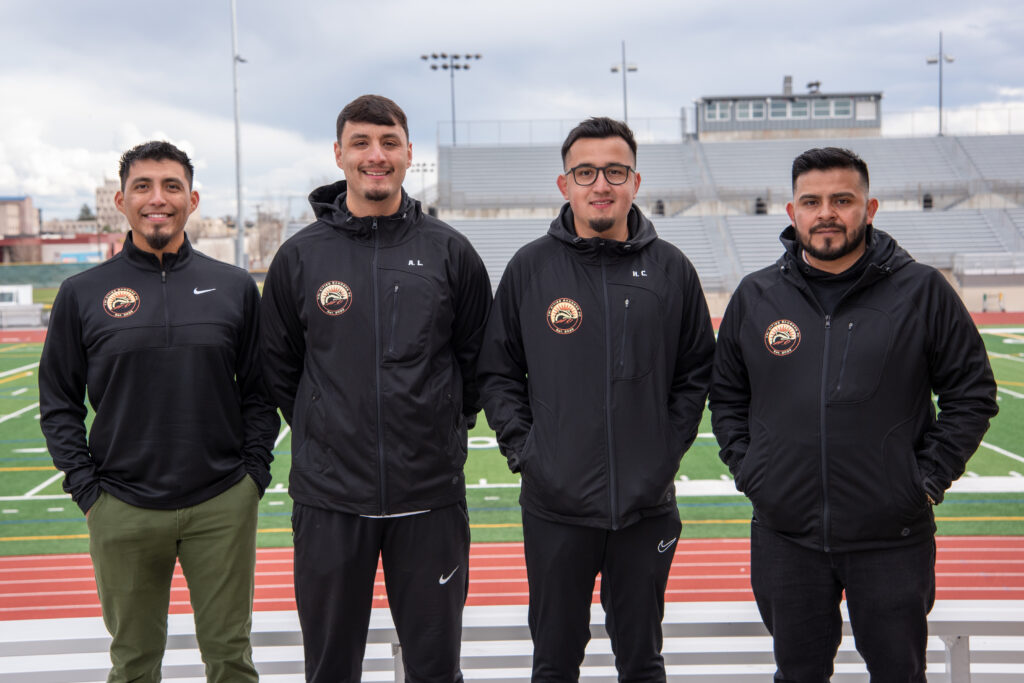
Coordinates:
column 426, row 573
column 562, row 561
column 888, row 593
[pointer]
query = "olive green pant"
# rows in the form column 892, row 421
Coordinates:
column 133, row 552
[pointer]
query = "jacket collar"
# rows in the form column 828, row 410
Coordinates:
column 145, row 259
column 641, row 233
column 329, row 207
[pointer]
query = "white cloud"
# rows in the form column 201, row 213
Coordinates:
column 61, row 177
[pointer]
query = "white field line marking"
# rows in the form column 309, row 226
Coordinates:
column 44, row 485
column 16, row 413
column 30, row 450
column 19, row 392
column 1005, row 356
column 1015, row 394
column 23, row 368
column 1002, row 451
column 280, row 437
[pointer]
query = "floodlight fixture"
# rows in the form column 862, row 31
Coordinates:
column 446, row 62
column 422, row 168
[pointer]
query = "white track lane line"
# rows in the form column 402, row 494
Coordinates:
column 16, row 413
column 1002, row 451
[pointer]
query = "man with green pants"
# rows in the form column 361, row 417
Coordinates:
column 163, row 342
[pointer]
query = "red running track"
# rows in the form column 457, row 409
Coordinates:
column 59, row 586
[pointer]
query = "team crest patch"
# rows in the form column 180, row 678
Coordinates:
column 334, row 297
column 782, row 337
column 564, row 316
column 121, row 302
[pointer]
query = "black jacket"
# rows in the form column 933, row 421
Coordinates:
column 169, row 357
column 826, row 421
column 371, row 328
column 595, row 370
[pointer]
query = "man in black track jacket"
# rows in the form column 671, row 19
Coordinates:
column 164, row 340
column 594, row 371
column 372, row 320
column 822, row 405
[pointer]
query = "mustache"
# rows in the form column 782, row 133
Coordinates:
column 826, row 225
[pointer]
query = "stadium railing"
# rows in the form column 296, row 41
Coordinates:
column 972, row 642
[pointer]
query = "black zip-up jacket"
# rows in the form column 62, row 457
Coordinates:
column 595, row 370
column 826, row 421
column 169, row 356
column 371, row 328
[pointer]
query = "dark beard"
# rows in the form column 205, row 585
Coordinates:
column 157, row 241
column 600, row 225
column 832, row 253
column 377, row 195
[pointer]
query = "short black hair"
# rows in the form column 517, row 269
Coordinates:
column 375, row 109
column 157, row 150
column 599, row 127
column 825, row 158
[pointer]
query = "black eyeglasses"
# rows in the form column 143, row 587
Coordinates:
column 585, row 174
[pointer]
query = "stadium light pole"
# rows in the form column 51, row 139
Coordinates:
column 625, row 68
column 239, row 225
column 422, row 168
column 942, row 57
column 450, row 63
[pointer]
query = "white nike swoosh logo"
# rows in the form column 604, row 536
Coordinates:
column 197, row 291
column 662, row 546
column 444, row 579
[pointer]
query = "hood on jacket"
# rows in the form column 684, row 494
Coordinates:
column 641, row 232
column 329, row 206
column 883, row 252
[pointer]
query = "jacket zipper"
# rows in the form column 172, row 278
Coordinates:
column 394, row 322
column 612, row 507
column 382, row 498
column 846, row 351
column 167, row 315
column 625, row 327
column 826, row 514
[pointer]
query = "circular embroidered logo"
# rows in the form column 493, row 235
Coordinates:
column 782, row 337
column 564, row 316
column 334, row 297
column 121, row 302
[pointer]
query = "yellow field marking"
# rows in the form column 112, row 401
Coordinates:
column 69, row 537
column 273, row 531
column 1012, row 384
column 13, row 347
column 1008, row 335
column 27, row 469
column 20, row 375
column 716, row 521
column 495, row 526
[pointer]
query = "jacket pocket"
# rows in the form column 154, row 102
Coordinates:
column 409, row 306
column 859, row 355
column 309, row 422
column 633, row 314
column 906, row 491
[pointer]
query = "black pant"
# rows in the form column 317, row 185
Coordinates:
column 562, row 561
column 888, row 595
column 426, row 573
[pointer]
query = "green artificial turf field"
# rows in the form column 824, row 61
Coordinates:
column 35, row 517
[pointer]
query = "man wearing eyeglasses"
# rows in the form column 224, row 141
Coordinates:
column 594, row 372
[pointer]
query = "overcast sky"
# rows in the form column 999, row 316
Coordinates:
column 80, row 81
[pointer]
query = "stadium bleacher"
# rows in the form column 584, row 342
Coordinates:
column 709, row 189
